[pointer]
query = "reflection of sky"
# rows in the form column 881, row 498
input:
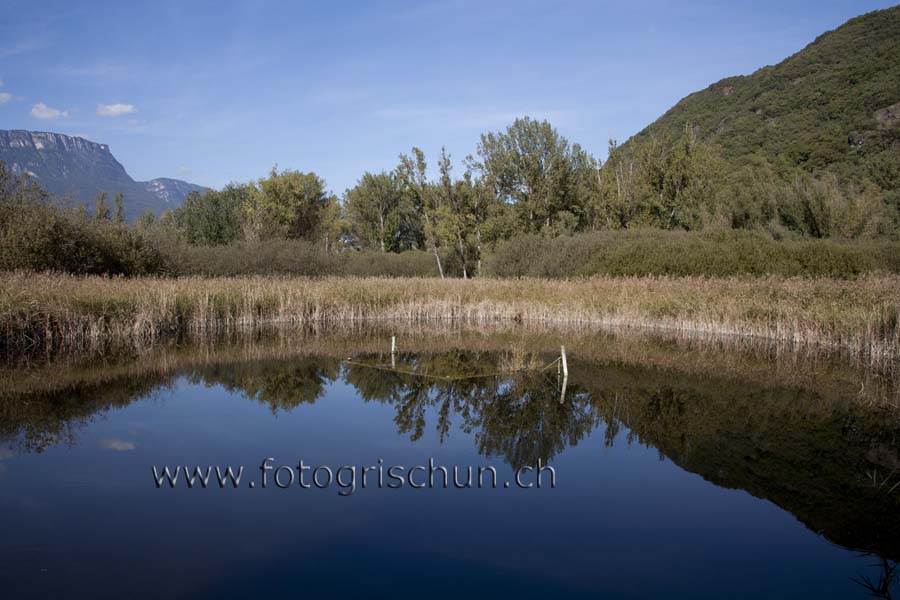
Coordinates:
column 117, row 444
column 4, row 454
column 623, row 521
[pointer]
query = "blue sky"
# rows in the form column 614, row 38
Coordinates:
column 218, row 91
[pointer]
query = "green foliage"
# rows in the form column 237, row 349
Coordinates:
column 37, row 236
column 295, row 257
column 662, row 182
column 381, row 216
column 419, row 193
column 531, row 167
column 289, row 204
column 411, row 263
column 820, row 113
column 101, row 208
column 714, row 254
column 119, row 203
column 214, row 218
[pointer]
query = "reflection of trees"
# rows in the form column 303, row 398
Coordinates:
column 33, row 422
column 833, row 465
column 880, row 586
column 514, row 415
column 282, row 385
column 523, row 419
column 811, row 458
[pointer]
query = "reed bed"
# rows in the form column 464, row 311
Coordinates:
column 753, row 362
column 54, row 311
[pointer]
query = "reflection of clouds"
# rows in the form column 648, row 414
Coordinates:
column 117, row 444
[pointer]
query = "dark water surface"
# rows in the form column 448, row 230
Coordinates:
column 682, row 470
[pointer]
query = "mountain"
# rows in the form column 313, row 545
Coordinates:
column 171, row 191
column 77, row 169
column 834, row 106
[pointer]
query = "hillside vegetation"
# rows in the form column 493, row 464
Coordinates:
column 831, row 109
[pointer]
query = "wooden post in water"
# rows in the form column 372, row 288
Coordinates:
column 563, row 366
column 565, row 372
column 393, row 351
column 562, row 393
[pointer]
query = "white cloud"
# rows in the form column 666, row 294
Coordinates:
column 5, row 97
column 183, row 170
column 115, row 110
column 42, row 111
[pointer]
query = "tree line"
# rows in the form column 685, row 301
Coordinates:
column 525, row 187
column 529, row 179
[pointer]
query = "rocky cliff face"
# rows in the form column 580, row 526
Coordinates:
column 171, row 191
column 77, row 169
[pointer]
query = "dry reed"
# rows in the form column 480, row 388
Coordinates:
column 858, row 317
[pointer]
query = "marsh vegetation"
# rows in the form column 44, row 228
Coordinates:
column 40, row 312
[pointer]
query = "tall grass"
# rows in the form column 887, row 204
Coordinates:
column 49, row 311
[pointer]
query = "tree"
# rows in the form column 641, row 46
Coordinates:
column 333, row 228
column 119, row 202
column 213, row 218
column 287, row 204
column 454, row 211
column 373, row 208
column 101, row 208
column 658, row 182
column 420, row 195
column 533, row 168
column 618, row 202
column 146, row 220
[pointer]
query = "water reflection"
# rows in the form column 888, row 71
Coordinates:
column 879, row 585
column 830, row 459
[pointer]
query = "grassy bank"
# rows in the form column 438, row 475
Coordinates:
column 48, row 311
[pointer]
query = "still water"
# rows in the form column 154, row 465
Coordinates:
column 681, row 470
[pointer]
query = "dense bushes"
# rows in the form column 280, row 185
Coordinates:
column 294, row 257
column 654, row 252
column 36, row 236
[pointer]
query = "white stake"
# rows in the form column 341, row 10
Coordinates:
column 393, row 351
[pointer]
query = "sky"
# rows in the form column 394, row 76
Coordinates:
column 219, row 91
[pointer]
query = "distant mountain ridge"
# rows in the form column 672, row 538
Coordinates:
column 77, row 169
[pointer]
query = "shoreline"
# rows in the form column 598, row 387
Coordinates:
column 54, row 312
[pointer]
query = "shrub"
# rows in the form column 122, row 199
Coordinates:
column 40, row 238
column 294, row 257
column 654, row 252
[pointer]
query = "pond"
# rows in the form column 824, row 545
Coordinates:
column 655, row 467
